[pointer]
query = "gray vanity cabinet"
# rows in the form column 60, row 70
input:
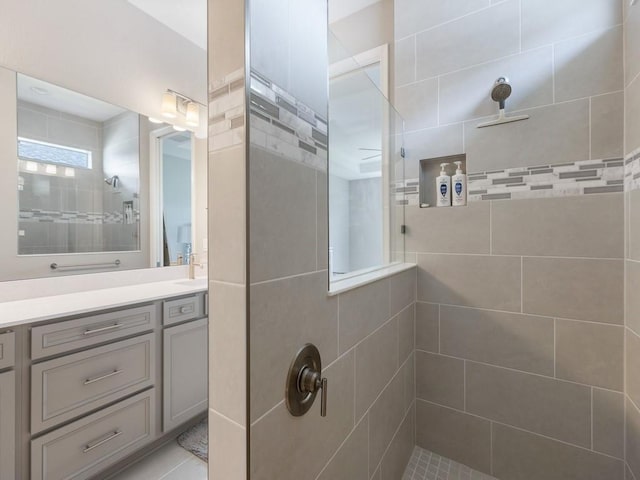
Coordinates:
column 185, row 360
column 7, row 425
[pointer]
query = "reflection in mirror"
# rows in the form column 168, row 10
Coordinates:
column 78, row 172
column 366, row 201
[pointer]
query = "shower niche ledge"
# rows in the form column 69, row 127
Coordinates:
column 430, row 171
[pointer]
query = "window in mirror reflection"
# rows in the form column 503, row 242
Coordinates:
column 78, row 172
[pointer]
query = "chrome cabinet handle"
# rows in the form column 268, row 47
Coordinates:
column 185, row 309
column 305, row 381
column 89, row 381
column 101, row 329
column 91, row 445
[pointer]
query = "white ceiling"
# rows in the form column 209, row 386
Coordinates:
column 185, row 17
column 63, row 100
column 339, row 9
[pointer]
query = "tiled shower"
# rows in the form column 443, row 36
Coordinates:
column 524, row 352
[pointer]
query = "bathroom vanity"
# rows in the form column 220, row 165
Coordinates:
column 91, row 379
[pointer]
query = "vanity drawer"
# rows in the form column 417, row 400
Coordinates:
column 85, row 332
column 67, row 387
column 182, row 309
column 7, row 349
column 86, row 447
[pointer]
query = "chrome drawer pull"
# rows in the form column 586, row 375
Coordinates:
column 91, row 446
column 101, row 329
column 89, row 381
column 185, row 309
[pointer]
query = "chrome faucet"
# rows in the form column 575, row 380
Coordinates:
column 193, row 265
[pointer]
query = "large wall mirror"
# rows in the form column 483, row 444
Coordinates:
column 102, row 143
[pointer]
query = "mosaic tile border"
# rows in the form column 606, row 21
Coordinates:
column 226, row 112
column 82, row 218
column 283, row 125
column 426, row 465
column 542, row 181
column 632, row 171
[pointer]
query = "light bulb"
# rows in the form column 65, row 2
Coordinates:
column 193, row 114
column 169, row 109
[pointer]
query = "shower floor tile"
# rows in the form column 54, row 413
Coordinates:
column 426, row 465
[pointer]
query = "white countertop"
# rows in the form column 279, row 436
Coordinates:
column 47, row 308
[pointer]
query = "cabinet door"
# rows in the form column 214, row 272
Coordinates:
column 185, row 382
column 7, row 425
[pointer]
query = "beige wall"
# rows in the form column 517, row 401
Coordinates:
column 632, row 311
column 520, row 322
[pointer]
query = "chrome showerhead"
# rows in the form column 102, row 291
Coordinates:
column 501, row 91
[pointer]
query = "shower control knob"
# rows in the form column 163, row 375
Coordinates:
column 304, row 381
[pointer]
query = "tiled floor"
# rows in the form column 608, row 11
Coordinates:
column 169, row 462
column 425, row 465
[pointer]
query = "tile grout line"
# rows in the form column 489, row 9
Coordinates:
column 555, row 374
column 521, row 429
column 524, row 372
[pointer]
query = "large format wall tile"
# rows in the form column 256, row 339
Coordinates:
column 633, row 222
column 523, row 342
column 228, row 442
column 350, row 462
column 227, row 331
column 519, row 455
column 376, row 364
column 305, row 444
column 582, row 226
column 486, row 35
column 418, row 104
column 470, row 280
column 405, row 60
column 385, row 417
column 633, row 366
column 427, row 327
column 463, row 94
column 288, row 188
column 546, row 21
column 362, row 311
column 557, row 409
column 322, row 221
column 590, row 353
column 608, row 422
column 227, row 207
column 632, row 116
column 589, row 65
column 455, row 435
column 607, row 126
column 632, row 299
column 412, row 16
column 431, row 143
column 446, row 230
column 554, row 134
column 581, row 289
column 286, row 314
column 402, row 291
column 440, row 379
column 632, row 440
column 406, row 333
column 397, row 456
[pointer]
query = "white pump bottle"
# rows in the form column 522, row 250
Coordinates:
column 459, row 190
column 443, row 187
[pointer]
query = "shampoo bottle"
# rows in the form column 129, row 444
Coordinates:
column 443, row 187
column 459, row 181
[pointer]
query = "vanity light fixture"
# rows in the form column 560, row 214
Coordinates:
column 193, row 114
column 51, row 169
column 69, row 172
column 175, row 104
column 179, row 129
column 169, row 105
column 31, row 166
column 155, row 120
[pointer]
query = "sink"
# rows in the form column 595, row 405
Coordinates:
column 198, row 282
